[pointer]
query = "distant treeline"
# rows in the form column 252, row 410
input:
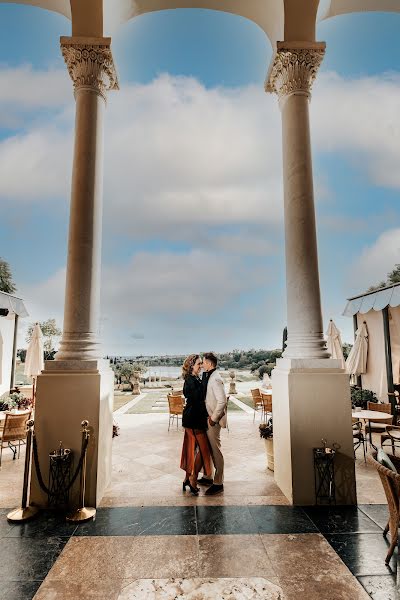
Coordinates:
column 236, row 359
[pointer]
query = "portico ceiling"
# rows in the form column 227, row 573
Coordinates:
column 340, row 7
column 288, row 20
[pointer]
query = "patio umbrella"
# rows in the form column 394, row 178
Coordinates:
column 356, row 362
column 334, row 343
column 266, row 381
column 34, row 362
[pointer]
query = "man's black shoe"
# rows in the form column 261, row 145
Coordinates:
column 214, row 489
column 205, row 481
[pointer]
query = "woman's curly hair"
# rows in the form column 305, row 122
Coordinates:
column 188, row 365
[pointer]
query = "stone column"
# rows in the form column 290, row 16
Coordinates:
column 291, row 76
column 311, row 394
column 79, row 385
column 90, row 65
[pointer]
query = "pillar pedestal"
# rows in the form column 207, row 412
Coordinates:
column 311, row 403
column 69, row 392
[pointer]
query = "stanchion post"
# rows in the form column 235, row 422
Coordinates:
column 25, row 512
column 83, row 513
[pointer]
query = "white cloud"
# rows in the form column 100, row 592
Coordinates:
column 172, row 284
column 375, row 261
column 187, row 164
column 152, row 297
column 177, row 157
column 359, row 118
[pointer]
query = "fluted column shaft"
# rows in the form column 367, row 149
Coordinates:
column 291, row 76
column 92, row 71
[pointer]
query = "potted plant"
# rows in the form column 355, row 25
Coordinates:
column 15, row 401
column 267, row 434
column 360, row 397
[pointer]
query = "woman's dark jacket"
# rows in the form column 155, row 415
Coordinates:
column 195, row 413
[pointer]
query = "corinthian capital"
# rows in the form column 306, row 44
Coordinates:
column 294, row 68
column 90, row 63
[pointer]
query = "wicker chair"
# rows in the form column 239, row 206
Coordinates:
column 14, row 431
column 391, row 485
column 267, row 403
column 175, row 404
column 382, row 425
column 257, row 402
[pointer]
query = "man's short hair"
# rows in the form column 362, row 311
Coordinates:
column 211, row 357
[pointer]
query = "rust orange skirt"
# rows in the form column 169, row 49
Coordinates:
column 196, row 440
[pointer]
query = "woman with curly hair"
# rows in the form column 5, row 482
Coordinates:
column 195, row 450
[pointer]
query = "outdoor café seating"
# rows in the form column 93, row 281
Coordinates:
column 14, row 431
column 391, row 437
column 382, row 425
column 391, row 484
column 258, row 404
column 176, row 403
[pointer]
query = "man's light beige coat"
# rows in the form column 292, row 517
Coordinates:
column 216, row 399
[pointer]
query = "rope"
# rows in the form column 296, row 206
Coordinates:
column 39, row 473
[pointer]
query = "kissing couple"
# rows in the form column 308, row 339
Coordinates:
column 203, row 416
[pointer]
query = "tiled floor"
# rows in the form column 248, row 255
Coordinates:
column 151, row 541
column 200, row 553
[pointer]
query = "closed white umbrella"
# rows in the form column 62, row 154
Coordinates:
column 34, row 361
column 356, row 362
column 334, row 343
column 266, row 382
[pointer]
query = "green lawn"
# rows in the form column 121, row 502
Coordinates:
column 145, row 405
column 121, row 400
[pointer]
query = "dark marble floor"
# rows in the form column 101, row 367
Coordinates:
column 28, row 551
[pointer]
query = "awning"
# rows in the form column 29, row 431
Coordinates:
column 377, row 300
column 13, row 304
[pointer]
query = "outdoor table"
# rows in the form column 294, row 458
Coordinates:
column 11, row 412
column 370, row 415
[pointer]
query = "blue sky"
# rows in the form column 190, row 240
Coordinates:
column 193, row 250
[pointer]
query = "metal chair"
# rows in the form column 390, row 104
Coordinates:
column 391, row 435
column 14, row 431
column 258, row 403
column 359, row 437
column 175, row 404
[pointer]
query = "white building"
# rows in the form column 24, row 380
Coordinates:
column 11, row 308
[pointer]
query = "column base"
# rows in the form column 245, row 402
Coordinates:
column 311, row 402
column 309, row 346
column 79, row 346
column 67, row 393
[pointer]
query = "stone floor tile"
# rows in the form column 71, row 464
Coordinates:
column 340, row 519
column 162, row 557
column 167, row 520
column 327, row 587
column 71, row 590
column 112, row 522
column 23, row 559
column 18, row 590
column 380, row 587
column 377, row 512
column 310, row 553
column 256, row 588
column 87, row 559
column 46, row 524
column 223, row 556
column 220, row 520
column 281, row 519
column 363, row 553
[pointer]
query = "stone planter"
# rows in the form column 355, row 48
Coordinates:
column 269, row 448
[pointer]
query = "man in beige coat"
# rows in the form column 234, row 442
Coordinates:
column 216, row 408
